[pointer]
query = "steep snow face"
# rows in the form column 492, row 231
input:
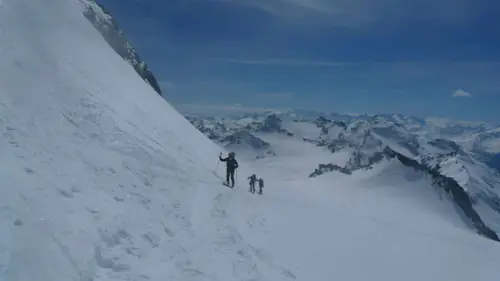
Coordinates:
column 110, row 30
column 94, row 185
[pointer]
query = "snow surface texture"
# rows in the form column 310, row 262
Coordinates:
column 100, row 179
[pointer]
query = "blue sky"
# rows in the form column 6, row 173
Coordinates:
column 424, row 58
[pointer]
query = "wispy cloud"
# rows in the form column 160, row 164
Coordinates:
column 277, row 61
column 290, row 7
column 311, row 62
column 278, row 95
column 264, row 5
column 362, row 12
column 213, row 109
column 461, row 93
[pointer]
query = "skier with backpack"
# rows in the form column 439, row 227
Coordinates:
column 231, row 166
column 252, row 179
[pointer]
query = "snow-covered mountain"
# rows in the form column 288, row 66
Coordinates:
column 101, row 179
column 363, row 143
column 116, row 38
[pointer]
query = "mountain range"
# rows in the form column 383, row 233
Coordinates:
column 457, row 156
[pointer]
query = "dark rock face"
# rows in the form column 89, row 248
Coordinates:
column 360, row 160
column 323, row 168
column 115, row 37
column 456, row 192
column 445, row 144
column 271, row 124
column 321, row 122
column 334, row 145
column 245, row 137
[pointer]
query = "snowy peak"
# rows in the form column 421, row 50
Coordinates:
column 321, row 122
column 234, row 136
column 242, row 136
column 115, row 37
column 213, row 129
column 271, row 124
column 242, row 141
column 328, row 126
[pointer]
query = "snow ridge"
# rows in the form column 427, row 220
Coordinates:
column 110, row 30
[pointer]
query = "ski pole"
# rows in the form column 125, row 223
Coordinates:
column 218, row 161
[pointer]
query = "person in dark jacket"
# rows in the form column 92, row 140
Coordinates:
column 253, row 179
column 261, row 185
column 231, row 166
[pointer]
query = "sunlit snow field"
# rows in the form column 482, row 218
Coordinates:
column 100, row 179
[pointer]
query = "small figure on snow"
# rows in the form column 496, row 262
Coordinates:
column 231, row 166
column 253, row 179
column 261, row 185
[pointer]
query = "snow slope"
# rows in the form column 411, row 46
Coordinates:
column 91, row 176
column 100, row 179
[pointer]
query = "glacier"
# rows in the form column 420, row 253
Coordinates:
column 101, row 179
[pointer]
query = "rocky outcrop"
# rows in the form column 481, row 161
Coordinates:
column 115, row 37
column 244, row 137
column 361, row 160
column 444, row 144
column 323, row 168
column 271, row 124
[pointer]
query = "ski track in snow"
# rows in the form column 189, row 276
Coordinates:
column 101, row 179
